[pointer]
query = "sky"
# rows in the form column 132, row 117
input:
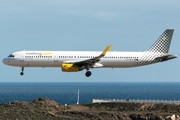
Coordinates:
column 87, row 25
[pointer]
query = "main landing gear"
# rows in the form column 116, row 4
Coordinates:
column 22, row 73
column 88, row 73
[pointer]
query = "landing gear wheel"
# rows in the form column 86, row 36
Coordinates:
column 88, row 73
column 21, row 73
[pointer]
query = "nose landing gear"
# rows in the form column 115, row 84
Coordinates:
column 22, row 73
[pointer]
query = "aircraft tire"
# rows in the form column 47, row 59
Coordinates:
column 21, row 73
column 88, row 73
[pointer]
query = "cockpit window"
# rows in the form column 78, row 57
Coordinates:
column 11, row 55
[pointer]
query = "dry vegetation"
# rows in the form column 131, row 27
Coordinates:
column 45, row 109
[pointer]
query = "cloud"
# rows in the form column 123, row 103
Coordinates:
column 105, row 15
column 101, row 15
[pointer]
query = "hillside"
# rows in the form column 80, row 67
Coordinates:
column 45, row 109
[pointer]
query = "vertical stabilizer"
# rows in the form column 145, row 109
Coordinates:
column 162, row 44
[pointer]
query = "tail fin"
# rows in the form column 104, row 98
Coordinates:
column 163, row 42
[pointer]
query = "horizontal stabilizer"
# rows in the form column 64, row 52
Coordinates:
column 166, row 57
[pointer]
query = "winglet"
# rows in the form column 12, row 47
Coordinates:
column 108, row 48
column 92, row 61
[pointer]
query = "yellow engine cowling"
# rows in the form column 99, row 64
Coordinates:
column 70, row 68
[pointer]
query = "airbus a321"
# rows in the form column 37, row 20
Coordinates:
column 74, row 61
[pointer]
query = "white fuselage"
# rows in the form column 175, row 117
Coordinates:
column 73, row 61
column 56, row 58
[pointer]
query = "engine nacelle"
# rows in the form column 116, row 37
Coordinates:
column 67, row 67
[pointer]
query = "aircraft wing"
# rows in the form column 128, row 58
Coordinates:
column 166, row 57
column 92, row 61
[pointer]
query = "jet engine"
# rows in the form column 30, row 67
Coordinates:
column 67, row 67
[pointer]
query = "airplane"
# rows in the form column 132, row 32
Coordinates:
column 74, row 61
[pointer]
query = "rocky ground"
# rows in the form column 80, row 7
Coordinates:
column 45, row 109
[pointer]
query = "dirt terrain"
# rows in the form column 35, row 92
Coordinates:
column 45, row 109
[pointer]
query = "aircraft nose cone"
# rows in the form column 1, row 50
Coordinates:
column 5, row 61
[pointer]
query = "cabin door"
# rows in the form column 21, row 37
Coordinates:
column 21, row 57
column 55, row 58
